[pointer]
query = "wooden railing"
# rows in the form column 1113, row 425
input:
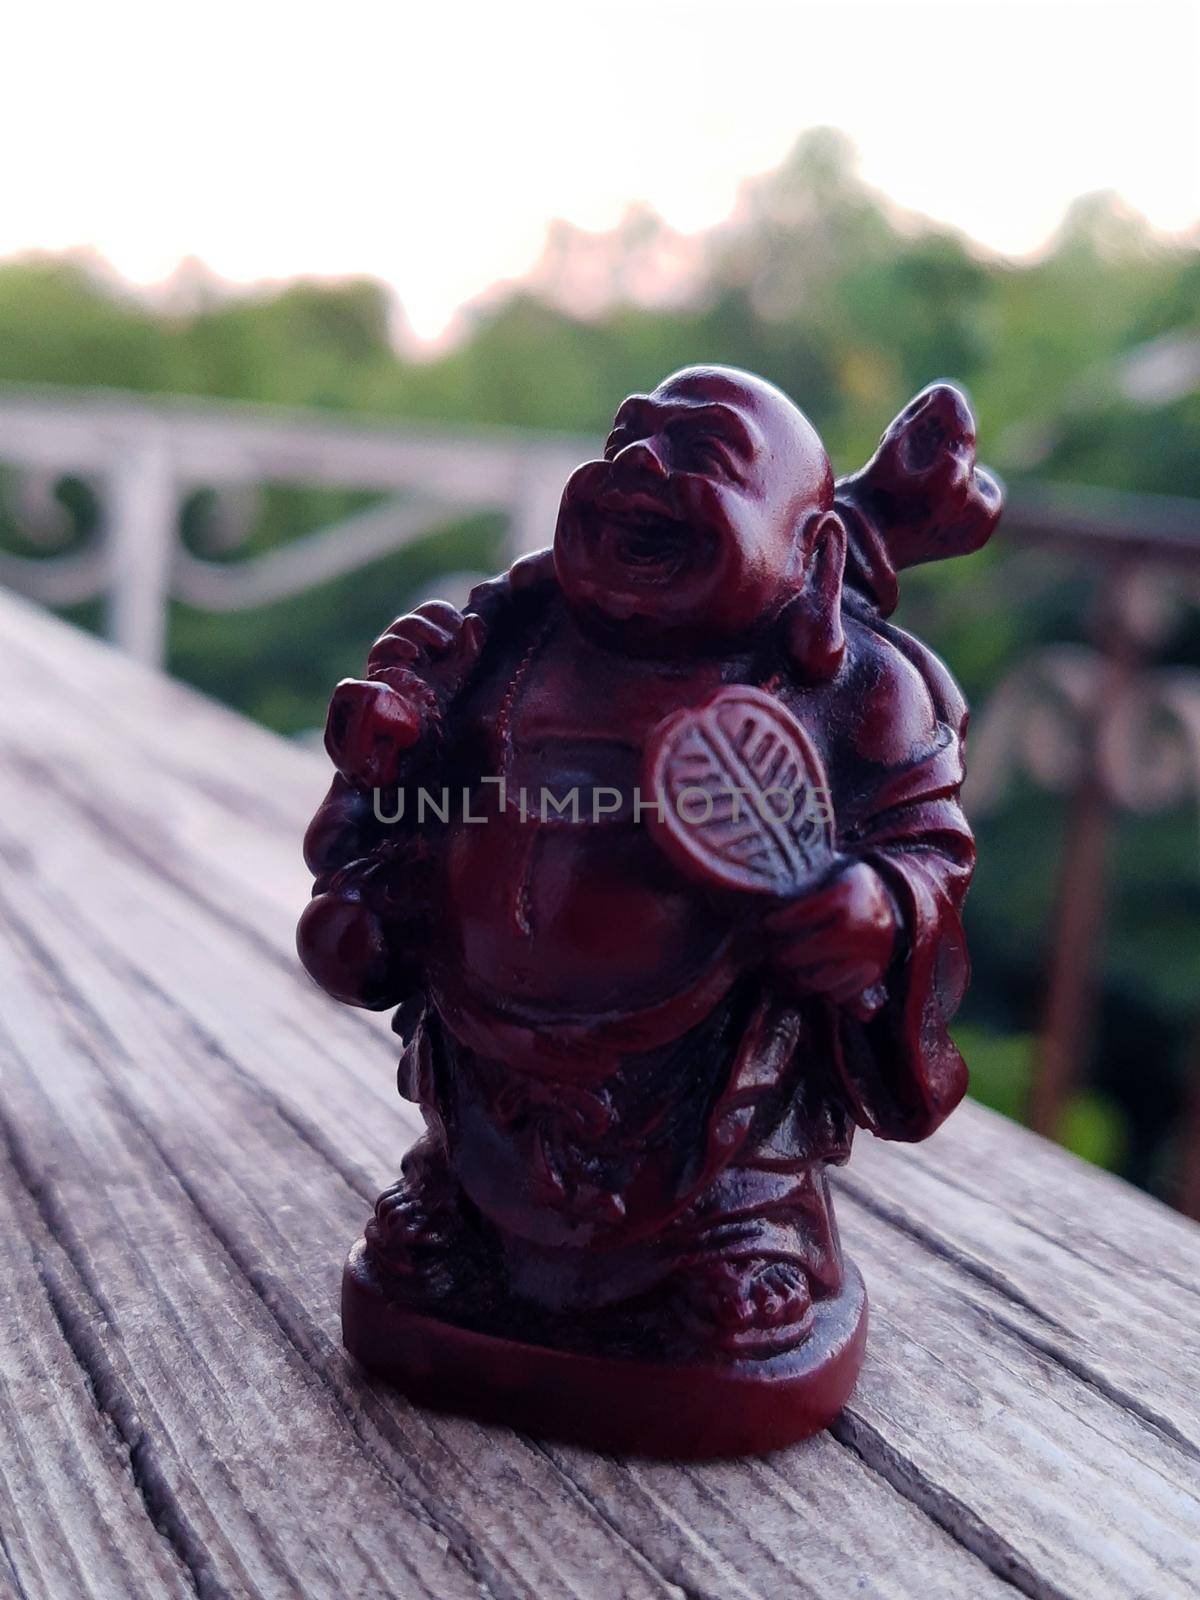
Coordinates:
column 193, row 1135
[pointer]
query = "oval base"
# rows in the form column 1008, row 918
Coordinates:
column 674, row 1411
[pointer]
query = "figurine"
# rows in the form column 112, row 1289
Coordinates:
column 657, row 848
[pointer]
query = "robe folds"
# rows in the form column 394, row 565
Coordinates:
column 602, row 1134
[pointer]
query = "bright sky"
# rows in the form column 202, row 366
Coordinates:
column 431, row 144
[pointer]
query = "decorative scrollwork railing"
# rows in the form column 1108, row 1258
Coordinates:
column 1056, row 719
column 143, row 458
column 1107, row 726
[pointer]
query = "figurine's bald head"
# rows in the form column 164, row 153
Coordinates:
column 690, row 527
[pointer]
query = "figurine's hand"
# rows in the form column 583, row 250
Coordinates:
column 343, row 945
column 416, row 669
column 436, row 642
column 837, row 941
column 372, row 724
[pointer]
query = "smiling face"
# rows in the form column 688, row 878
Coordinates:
column 686, row 533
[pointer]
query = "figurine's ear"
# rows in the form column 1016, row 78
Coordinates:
column 812, row 623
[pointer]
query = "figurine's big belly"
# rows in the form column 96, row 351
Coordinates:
column 571, row 919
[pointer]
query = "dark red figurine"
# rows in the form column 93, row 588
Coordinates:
column 658, row 849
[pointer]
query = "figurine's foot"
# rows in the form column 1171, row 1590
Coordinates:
column 419, row 1234
column 412, row 1242
column 752, row 1306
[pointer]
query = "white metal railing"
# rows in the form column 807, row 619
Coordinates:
column 144, row 456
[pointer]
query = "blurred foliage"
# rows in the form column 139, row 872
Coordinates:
column 851, row 306
column 285, row 671
column 1002, row 1067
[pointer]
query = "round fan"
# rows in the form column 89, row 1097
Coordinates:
column 741, row 795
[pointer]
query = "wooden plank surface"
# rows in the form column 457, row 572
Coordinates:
column 194, row 1136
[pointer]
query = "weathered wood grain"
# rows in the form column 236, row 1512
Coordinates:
column 75, row 1500
column 196, row 1135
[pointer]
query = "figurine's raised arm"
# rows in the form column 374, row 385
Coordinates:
column 363, row 934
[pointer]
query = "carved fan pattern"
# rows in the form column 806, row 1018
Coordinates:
column 742, row 801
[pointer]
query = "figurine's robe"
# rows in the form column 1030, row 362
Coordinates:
column 714, row 1112
column 901, row 1071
